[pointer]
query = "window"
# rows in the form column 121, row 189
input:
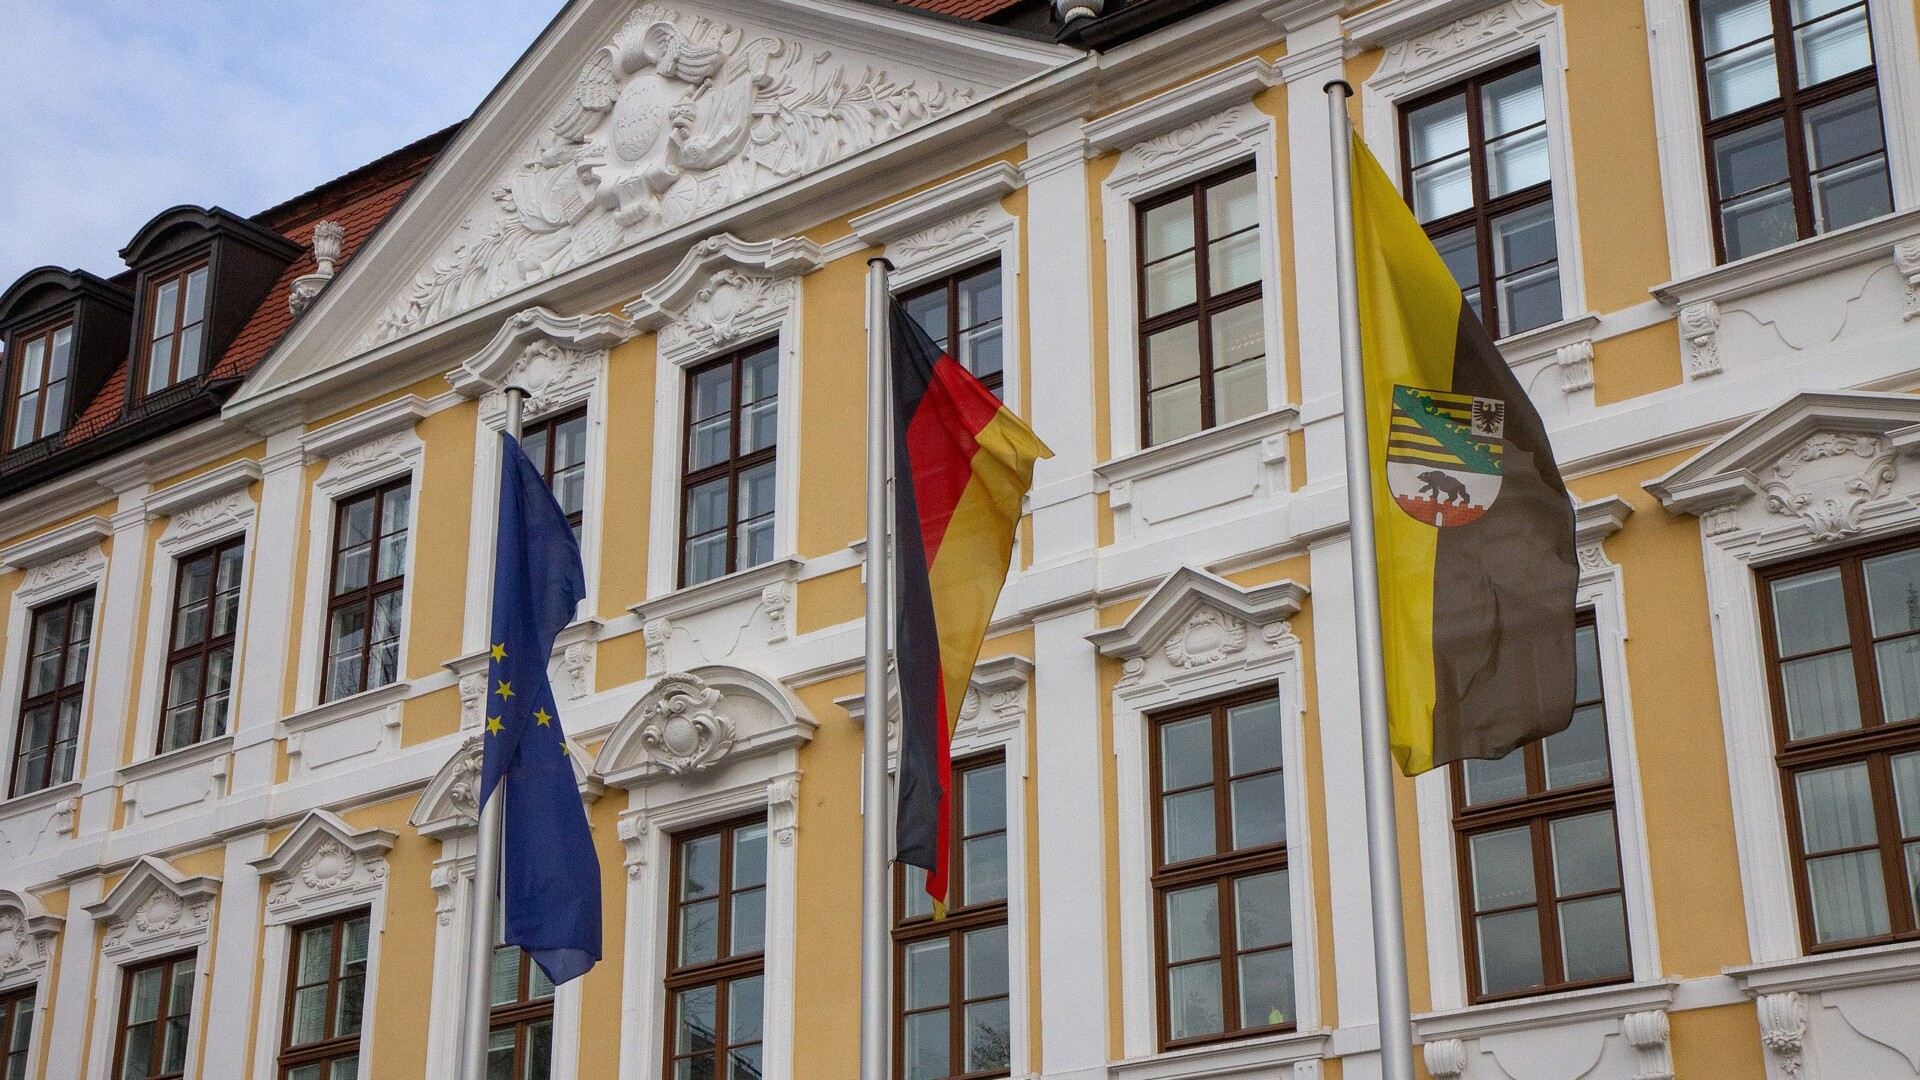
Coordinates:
column 40, row 391
column 726, row 517
column 1477, row 175
column 56, row 683
column 326, row 988
column 1221, row 906
column 951, row 1004
column 1203, row 341
column 1539, row 855
column 717, row 928
column 520, row 1023
column 156, row 1007
column 558, row 448
column 1843, row 645
column 1791, row 113
column 369, row 588
column 206, row 608
column 176, row 326
column 964, row 308
column 16, row 1031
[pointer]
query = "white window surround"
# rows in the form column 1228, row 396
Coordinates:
column 1197, row 637
column 699, row 748
column 1179, row 137
column 58, row 564
column 561, row 362
column 726, row 293
column 1572, row 1029
column 1682, row 145
column 324, row 867
column 1421, row 58
column 27, row 938
column 154, row 912
column 1601, row 591
column 950, row 227
column 993, row 718
column 200, row 513
column 1789, row 994
column 1818, row 469
column 361, row 451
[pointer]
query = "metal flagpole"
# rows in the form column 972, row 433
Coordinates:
column 873, row 776
column 1383, row 846
column 486, row 883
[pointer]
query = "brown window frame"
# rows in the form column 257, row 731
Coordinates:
column 1876, row 742
column 368, row 595
column 949, row 339
column 1224, row 867
column 56, row 697
column 168, row 966
column 732, row 466
column 961, row 919
column 149, row 330
column 1205, row 304
column 332, row 1046
column 1480, row 216
column 544, row 463
column 18, row 390
column 725, row 969
column 12, row 1004
column 1786, row 108
column 1536, row 810
column 202, row 650
column 523, row 1013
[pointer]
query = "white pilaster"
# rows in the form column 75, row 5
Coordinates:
column 268, row 623
column 66, row 1036
column 235, row 958
column 116, row 616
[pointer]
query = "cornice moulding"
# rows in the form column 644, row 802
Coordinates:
column 149, row 870
column 1400, row 19
column 228, row 478
column 1183, row 104
column 778, row 259
column 401, row 414
column 48, row 546
column 493, row 365
column 1546, row 1010
column 1148, row 626
column 1595, row 521
column 352, row 705
column 1867, row 242
column 322, row 823
column 939, row 203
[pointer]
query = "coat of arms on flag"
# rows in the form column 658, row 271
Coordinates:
column 1444, row 454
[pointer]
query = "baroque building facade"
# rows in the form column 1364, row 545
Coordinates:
column 246, row 494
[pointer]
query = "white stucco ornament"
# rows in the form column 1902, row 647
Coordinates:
column 682, row 727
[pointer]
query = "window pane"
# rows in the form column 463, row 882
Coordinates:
column 1759, row 223
column 1578, row 755
column 986, row 968
column 1173, row 355
column 1851, row 194
column 929, row 309
column 700, row 932
column 1239, row 335
column 1586, row 658
column 316, row 952
column 1164, row 230
column 1461, row 252
column 746, row 998
column 1843, row 130
column 1233, row 262
column 929, row 1045
column 33, row 362
column 1530, row 299
column 1523, row 239
column 505, row 985
column 539, row 1061
column 1502, row 868
column 138, row 1057
column 980, row 350
column 1259, row 810
column 1186, row 753
column 700, row 867
column 1741, row 79
column 166, row 304
column 1750, row 159
column 748, row 931
column 189, row 362
column 1442, row 188
column 760, row 375
column 1170, row 284
column 1584, row 856
column 23, row 419
column 1496, row 781
column 1906, row 792
column 1898, row 662
column 196, row 305
column 309, row 1015
column 1233, row 206
column 1836, row 808
column 694, row 1020
column 1517, row 162
column 743, row 1063
column 1821, row 696
column 985, row 864
column 1174, row 412
column 1509, row 951
column 1512, row 102
column 1193, row 923
column 983, row 796
column 759, row 425
column 707, row 506
column 1849, row 896
column 712, row 441
column 918, row 902
column 143, row 1002
column 1832, row 47
column 1254, row 737
column 989, row 1036
column 1194, row 1000
column 749, row 856
column 756, row 492
column 713, row 392
column 383, row 653
column 1189, row 818
column 1262, row 911
column 1266, row 988
column 1726, row 23
column 1593, row 938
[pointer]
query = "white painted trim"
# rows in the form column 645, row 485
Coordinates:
column 54, row 543
column 234, row 476
column 181, row 923
column 1474, row 42
column 972, row 236
column 1181, row 105
column 1184, row 154
column 26, row 961
column 51, row 578
column 942, row 202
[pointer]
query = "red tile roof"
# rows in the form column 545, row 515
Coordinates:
column 358, row 202
column 962, row 9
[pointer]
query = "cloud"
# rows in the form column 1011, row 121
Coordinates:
column 113, row 110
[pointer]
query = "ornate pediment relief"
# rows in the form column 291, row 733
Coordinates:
column 27, row 934
column 554, row 358
column 691, row 722
column 450, row 804
column 677, row 115
column 324, row 865
column 155, row 910
column 1196, row 622
column 1821, row 466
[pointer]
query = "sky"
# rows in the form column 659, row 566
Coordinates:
column 114, row 110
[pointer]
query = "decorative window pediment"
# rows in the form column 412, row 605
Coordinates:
column 448, row 806
column 725, row 292
column 155, row 910
column 995, row 706
column 1821, row 464
column 689, row 722
column 1195, row 622
column 324, row 865
column 27, row 934
column 555, row 358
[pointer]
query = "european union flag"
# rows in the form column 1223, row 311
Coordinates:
column 550, row 876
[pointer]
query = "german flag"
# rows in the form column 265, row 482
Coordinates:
column 962, row 465
column 1474, row 527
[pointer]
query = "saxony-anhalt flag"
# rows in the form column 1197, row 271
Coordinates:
column 962, row 465
column 1474, row 526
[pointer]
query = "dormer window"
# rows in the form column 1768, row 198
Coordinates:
column 40, row 395
column 176, row 321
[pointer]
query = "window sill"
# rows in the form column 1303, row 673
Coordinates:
column 22, row 805
column 365, row 701
column 1870, row 966
column 1546, row 1010
column 1865, row 242
column 719, row 592
column 1199, row 446
column 183, row 758
column 1226, row 1058
column 1543, row 342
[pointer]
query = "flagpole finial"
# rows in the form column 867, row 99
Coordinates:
column 1343, row 85
column 881, row 261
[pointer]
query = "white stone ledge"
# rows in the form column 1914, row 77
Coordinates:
column 1546, row 1010
column 1831, row 971
column 1867, row 242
